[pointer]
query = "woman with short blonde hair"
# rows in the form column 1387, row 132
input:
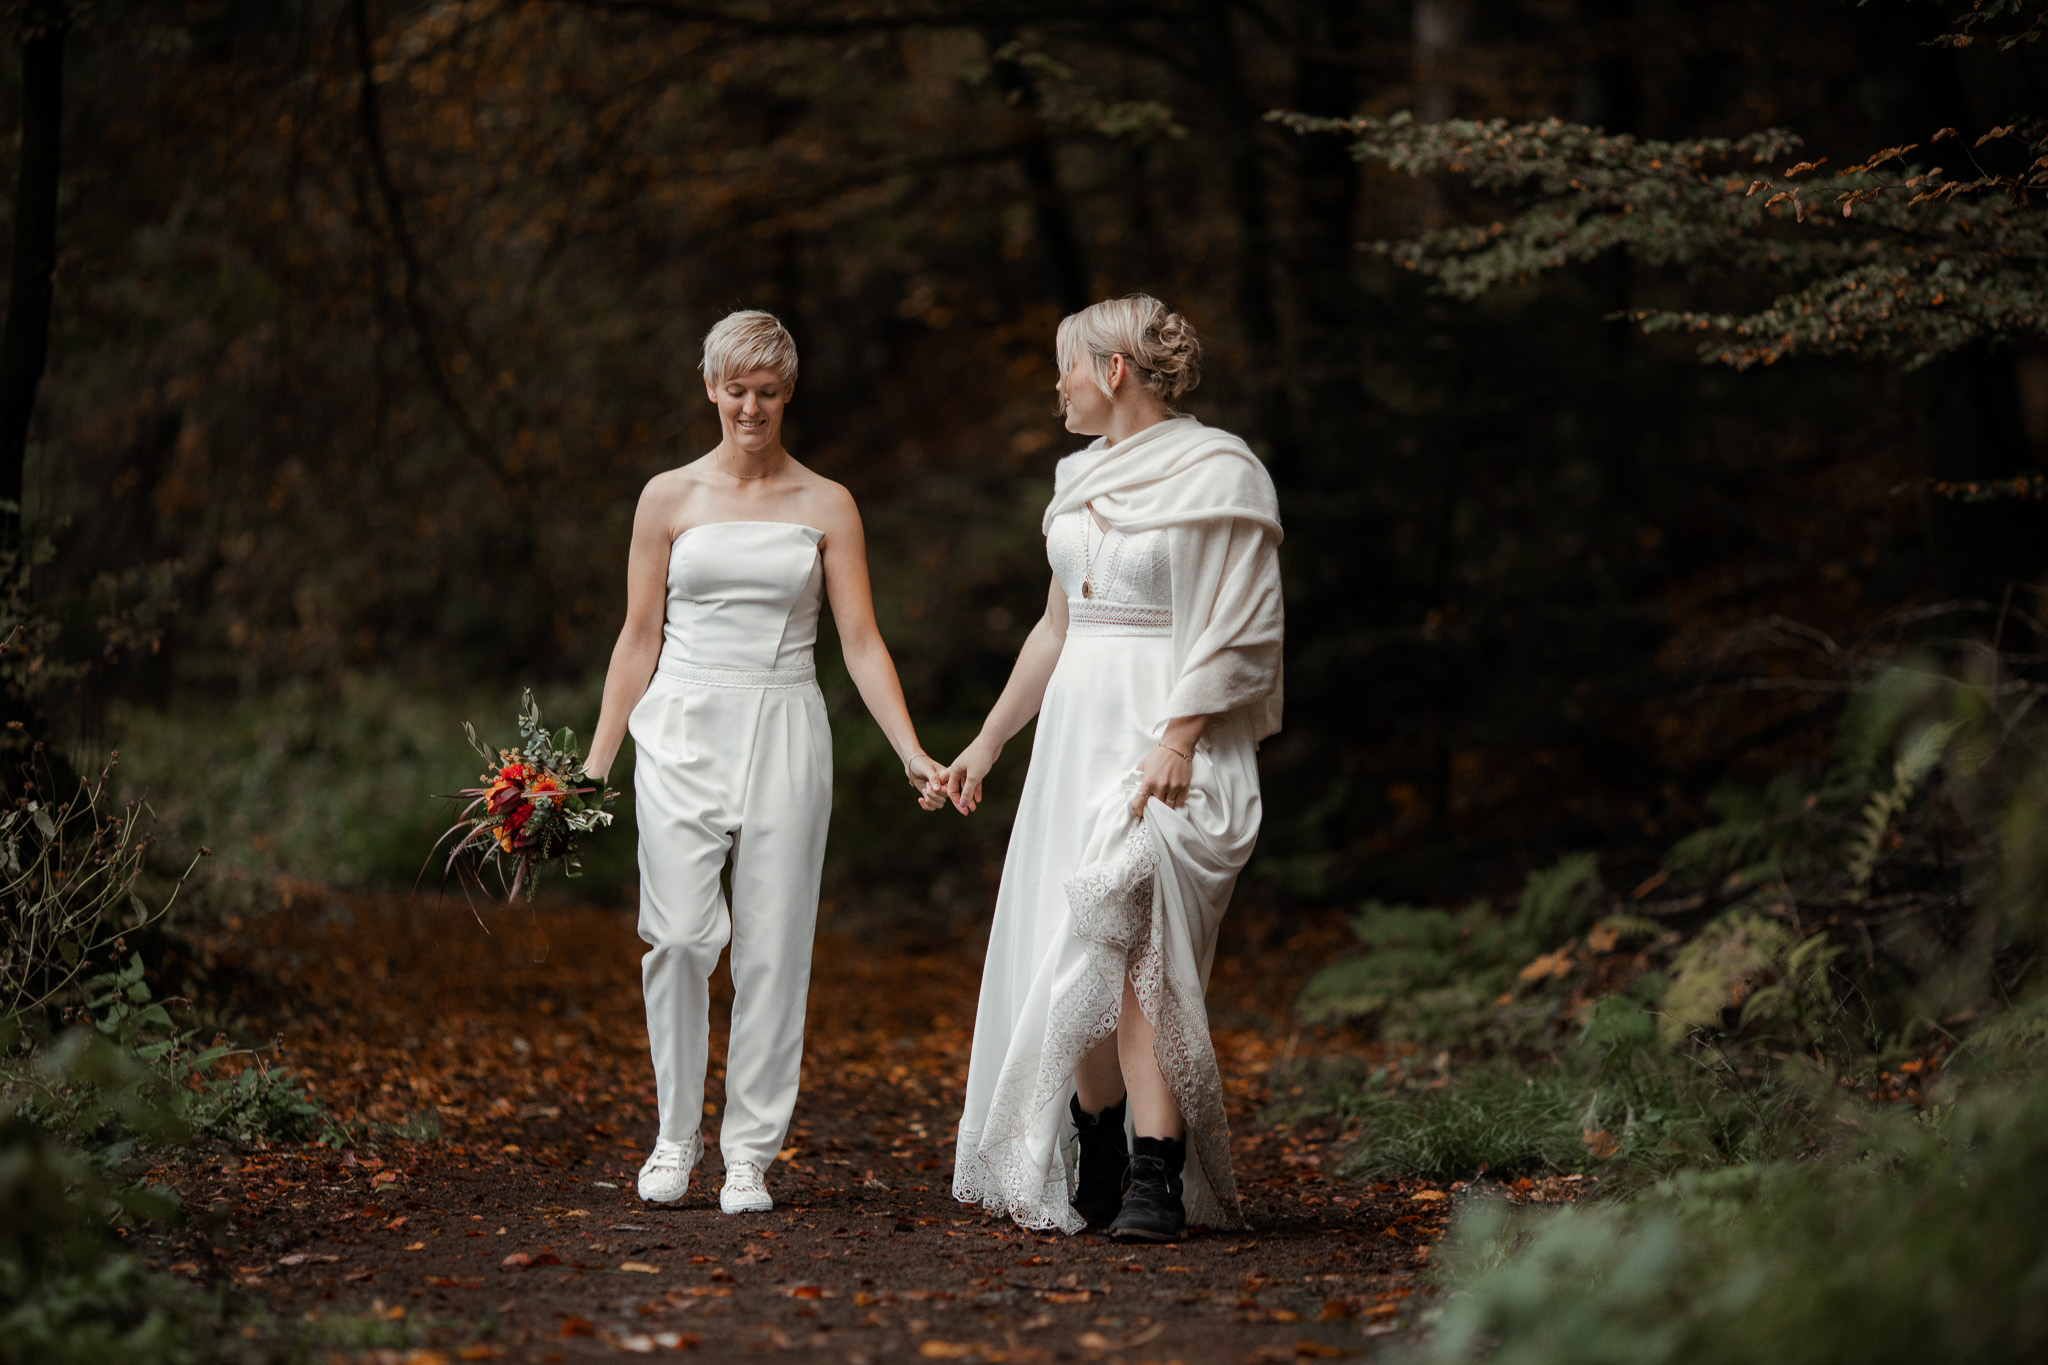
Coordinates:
column 733, row 557
column 1154, row 674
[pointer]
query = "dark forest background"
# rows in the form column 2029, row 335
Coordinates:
column 371, row 319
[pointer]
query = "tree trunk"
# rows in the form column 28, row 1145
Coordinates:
column 25, row 342
column 1049, row 215
column 1439, row 31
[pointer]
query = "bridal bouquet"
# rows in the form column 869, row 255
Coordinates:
column 530, row 808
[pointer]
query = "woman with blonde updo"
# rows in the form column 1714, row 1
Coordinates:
column 1154, row 674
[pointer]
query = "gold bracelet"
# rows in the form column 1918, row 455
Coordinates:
column 1185, row 758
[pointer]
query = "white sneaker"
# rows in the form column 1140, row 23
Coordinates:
column 744, row 1192
column 665, row 1176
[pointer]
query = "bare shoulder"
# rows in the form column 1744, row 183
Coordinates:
column 829, row 506
column 665, row 498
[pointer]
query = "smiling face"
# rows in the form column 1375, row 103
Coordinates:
column 750, row 409
column 1087, row 408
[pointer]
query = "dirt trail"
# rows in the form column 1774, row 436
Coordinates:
column 515, row 1234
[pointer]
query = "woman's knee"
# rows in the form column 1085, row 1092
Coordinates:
column 695, row 948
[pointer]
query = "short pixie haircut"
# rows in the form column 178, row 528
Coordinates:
column 746, row 341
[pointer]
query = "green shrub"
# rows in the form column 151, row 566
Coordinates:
column 135, row 1074
column 339, row 781
column 1923, row 1239
column 1452, row 976
column 67, row 1292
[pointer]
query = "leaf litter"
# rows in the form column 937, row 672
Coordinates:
column 492, row 1100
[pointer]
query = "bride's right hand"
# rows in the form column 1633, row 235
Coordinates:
column 963, row 777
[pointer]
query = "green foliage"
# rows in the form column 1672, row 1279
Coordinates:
column 1437, row 975
column 1921, row 1240
column 1629, row 1122
column 1893, row 260
column 333, row 782
column 1748, row 975
column 68, row 1295
column 134, row 1075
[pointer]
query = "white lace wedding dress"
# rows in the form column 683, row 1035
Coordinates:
column 1089, row 894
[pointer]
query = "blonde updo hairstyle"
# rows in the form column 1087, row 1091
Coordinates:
column 1159, row 346
column 746, row 341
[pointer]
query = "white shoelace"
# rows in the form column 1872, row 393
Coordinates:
column 668, row 1156
column 744, row 1177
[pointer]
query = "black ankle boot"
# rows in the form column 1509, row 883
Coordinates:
column 1152, row 1209
column 1105, row 1162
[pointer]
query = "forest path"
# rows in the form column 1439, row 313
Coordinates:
column 517, row 1235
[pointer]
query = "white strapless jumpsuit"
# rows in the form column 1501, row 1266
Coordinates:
column 733, row 754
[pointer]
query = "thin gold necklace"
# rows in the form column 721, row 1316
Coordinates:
column 748, row 478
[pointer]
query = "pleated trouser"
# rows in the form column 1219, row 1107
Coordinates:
column 745, row 772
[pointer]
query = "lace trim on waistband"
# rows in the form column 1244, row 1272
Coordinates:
column 709, row 675
column 1125, row 618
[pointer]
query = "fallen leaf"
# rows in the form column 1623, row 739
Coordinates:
column 476, row 1350
column 447, row 1282
column 946, row 1350
column 1335, row 1310
column 362, row 1274
column 300, row 1258
column 677, row 1341
column 1320, row 1350
column 639, row 1268
column 1092, row 1341
column 384, row 1178
column 1549, row 964
column 573, row 1326
column 1427, row 1196
column 1601, row 1141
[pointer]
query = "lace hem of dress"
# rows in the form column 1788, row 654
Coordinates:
column 710, row 675
column 1117, row 915
column 993, row 1166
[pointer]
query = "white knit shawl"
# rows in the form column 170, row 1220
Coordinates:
column 1216, row 501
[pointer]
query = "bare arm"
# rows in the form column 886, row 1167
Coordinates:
column 639, row 646
column 860, row 641
column 1022, row 696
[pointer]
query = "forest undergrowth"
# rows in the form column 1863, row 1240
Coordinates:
column 1800, row 1069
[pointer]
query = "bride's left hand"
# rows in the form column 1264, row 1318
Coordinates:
column 1165, row 775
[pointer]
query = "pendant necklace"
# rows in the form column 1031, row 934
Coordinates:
column 1087, row 555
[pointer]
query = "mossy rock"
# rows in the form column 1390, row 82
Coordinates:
column 1726, row 963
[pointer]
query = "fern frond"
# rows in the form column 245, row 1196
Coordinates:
column 1918, row 757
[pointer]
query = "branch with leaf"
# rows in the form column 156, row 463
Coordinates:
column 1886, row 259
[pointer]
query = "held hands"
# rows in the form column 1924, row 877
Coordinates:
column 1164, row 775
column 962, row 781
column 927, row 779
